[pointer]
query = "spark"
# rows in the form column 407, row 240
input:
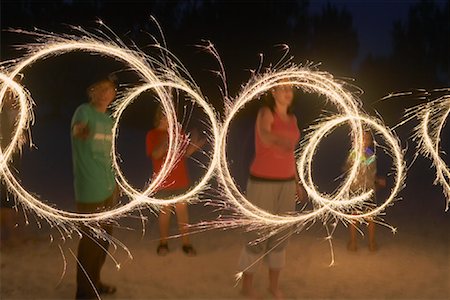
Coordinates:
column 162, row 75
column 155, row 75
column 432, row 118
column 333, row 206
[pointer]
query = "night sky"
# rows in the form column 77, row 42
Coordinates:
column 373, row 21
column 373, row 48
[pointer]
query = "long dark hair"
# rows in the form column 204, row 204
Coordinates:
column 269, row 101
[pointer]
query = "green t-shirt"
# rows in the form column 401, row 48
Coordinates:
column 92, row 165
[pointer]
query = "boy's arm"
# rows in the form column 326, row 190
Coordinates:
column 80, row 131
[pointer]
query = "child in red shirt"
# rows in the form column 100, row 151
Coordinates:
column 177, row 181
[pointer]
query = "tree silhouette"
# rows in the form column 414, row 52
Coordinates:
column 334, row 40
column 421, row 47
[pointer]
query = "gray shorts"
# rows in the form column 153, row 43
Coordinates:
column 276, row 197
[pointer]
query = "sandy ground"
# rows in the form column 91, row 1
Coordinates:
column 412, row 264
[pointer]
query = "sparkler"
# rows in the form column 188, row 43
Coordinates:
column 336, row 205
column 155, row 75
column 164, row 76
column 432, row 118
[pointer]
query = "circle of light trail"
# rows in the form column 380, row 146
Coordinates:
column 326, row 205
column 340, row 208
column 432, row 119
column 161, row 78
column 24, row 118
column 194, row 191
column 140, row 63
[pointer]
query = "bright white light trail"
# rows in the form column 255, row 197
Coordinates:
column 162, row 78
column 432, row 118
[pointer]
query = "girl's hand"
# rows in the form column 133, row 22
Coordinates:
column 196, row 140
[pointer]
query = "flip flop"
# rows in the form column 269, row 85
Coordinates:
column 189, row 250
column 162, row 250
column 106, row 289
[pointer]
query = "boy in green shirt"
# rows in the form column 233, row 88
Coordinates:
column 95, row 187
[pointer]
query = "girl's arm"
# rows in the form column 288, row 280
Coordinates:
column 195, row 144
column 263, row 126
column 301, row 193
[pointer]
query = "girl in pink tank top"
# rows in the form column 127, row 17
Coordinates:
column 272, row 185
column 271, row 160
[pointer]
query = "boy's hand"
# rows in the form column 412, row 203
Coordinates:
column 81, row 131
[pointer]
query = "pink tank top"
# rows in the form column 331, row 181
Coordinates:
column 272, row 162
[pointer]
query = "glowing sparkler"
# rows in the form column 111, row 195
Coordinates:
column 433, row 117
column 326, row 206
column 161, row 78
column 155, row 75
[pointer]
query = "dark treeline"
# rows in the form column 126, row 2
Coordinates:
column 242, row 30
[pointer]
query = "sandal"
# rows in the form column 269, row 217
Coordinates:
column 189, row 250
column 163, row 249
column 106, row 289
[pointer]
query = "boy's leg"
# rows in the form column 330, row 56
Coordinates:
column 92, row 251
column 110, row 203
column 88, row 271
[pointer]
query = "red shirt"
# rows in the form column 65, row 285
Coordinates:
column 178, row 177
column 270, row 161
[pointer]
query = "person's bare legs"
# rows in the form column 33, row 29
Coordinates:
column 183, row 225
column 164, row 223
column 247, row 286
column 372, row 243
column 7, row 216
column 353, row 244
column 183, row 221
column 274, row 278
